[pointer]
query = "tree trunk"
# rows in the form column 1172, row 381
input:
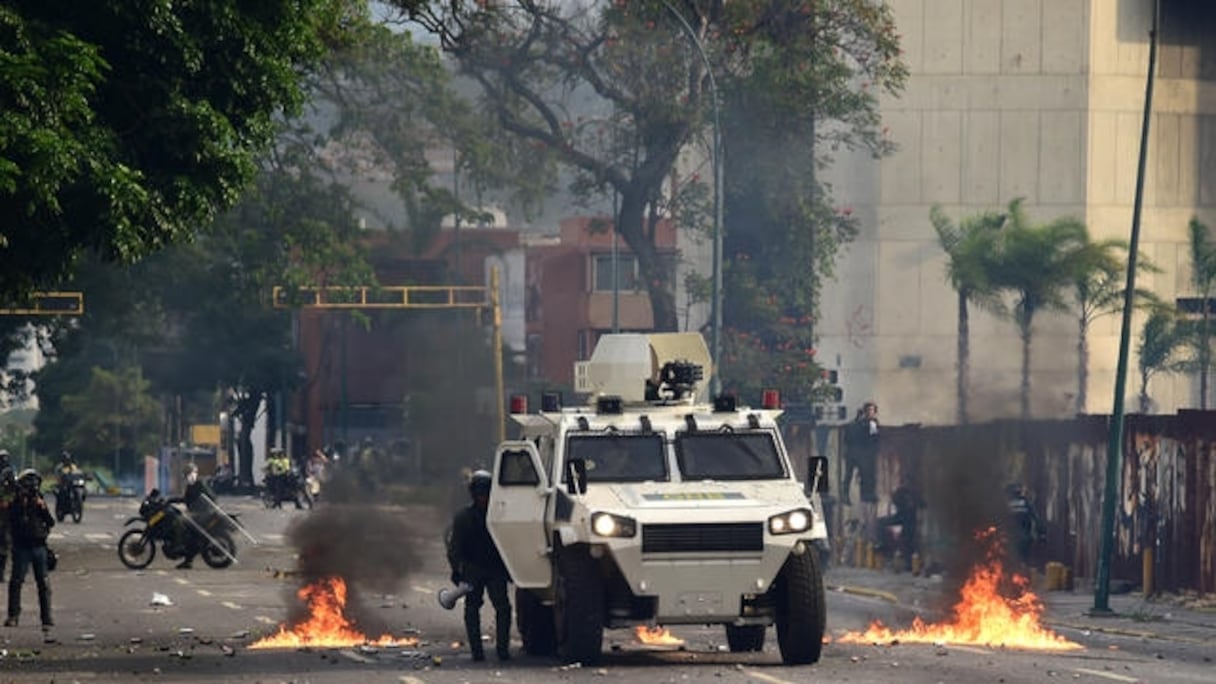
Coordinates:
column 1205, row 357
column 247, row 412
column 1082, row 364
column 1025, row 334
column 963, row 357
column 652, row 267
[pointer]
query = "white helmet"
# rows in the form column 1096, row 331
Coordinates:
column 28, row 476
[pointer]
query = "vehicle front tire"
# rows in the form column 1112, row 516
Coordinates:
column 578, row 606
column 534, row 620
column 745, row 638
column 135, row 550
column 801, row 618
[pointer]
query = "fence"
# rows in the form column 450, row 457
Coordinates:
column 1167, row 489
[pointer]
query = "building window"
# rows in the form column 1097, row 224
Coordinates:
column 627, row 268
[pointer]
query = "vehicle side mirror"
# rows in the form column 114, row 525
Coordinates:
column 817, row 474
column 576, row 476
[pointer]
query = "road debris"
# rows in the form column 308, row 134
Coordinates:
column 159, row 599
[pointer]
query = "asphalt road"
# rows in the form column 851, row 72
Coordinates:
column 108, row 629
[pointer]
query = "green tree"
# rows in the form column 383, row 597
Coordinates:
column 970, row 249
column 1036, row 263
column 126, row 126
column 1203, row 277
column 114, row 415
column 1160, row 339
column 1098, row 287
column 637, row 60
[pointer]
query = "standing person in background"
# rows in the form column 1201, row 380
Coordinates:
column 31, row 523
column 861, row 440
column 1025, row 525
column 8, row 491
column 475, row 560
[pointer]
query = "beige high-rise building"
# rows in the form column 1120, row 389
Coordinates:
column 1041, row 99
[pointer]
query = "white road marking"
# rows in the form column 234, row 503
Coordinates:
column 356, row 657
column 767, row 677
column 423, row 590
column 264, row 620
column 181, row 580
column 230, row 604
column 1107, row 675
column 98, row 535
column 203, row 592
column 969, row 649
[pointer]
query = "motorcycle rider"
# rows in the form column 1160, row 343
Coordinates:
column 475, row 560
column 31, row 523
column 193, row 497
column 278, row 477
column 65, row 470
column 8, row 490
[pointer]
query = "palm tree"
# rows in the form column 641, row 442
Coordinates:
column 1036, row 263
column 970, row 248
column 1203, row 276
column 1159, row 339
column 1098, row 286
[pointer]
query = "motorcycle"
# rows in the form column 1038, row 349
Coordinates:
column 286, row 488
column 69, row 497
column 211, row 534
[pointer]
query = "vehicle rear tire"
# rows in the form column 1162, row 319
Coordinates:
column 744, row 638
column 801, row 618
column 77, row 508
column 135, row 550
column 534, row 620
column 213, row 556
column 578, row 606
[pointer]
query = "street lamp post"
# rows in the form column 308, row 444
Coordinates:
column 715, row 382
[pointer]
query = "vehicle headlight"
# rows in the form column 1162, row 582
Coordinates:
column 609, row 525
column 791, row 522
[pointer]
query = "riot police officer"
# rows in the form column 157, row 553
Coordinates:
column 31, row 523
column 475, row 560
column 8, row 490
column 196, row 490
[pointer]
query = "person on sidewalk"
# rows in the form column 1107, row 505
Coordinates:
column 30, row 523
column 1025, row 526
column 899, row 531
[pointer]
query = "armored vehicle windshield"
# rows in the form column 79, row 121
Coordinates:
column 620, row 457
column 728, row 456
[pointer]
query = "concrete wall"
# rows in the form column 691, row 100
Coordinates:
column 1038, row 99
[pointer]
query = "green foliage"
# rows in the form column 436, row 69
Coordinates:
column 126, row 126
column 1203, row 277
column 114, row 413
column 1160, row 338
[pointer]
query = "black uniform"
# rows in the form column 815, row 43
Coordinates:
column 200, row 509
column 30, row 523
column 475, row 560
column 861, row 454
column 906, row 503
column 1026, row 527
column 8, row 490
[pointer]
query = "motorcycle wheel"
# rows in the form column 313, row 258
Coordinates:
column 77, row 509
column 135, row 550
column 214, row 557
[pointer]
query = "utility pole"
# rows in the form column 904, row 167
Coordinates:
column 1114, row 446
column 715, row 380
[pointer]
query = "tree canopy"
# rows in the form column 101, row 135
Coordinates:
column 127, row 126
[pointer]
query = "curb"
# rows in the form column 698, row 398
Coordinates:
column 866, row 591
column 1120, row 631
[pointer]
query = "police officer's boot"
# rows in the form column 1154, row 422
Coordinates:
column 472, row 629
column 502, row 634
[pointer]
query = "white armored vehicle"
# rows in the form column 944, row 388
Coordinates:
column 653, row 506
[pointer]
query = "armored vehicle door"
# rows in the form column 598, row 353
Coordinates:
column 516, row 518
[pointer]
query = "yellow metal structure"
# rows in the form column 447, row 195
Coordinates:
column 412, row 297
column 50, row 304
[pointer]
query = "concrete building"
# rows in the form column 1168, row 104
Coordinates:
column 1040, row 99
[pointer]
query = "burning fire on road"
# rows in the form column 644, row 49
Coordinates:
column 983, row 616
column 326, row 624
column 657, row 636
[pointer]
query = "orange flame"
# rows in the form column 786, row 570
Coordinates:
column 982, row 616
column 657, row 636
column 327, row 625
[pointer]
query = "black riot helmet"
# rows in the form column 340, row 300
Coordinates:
column 479, row 483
